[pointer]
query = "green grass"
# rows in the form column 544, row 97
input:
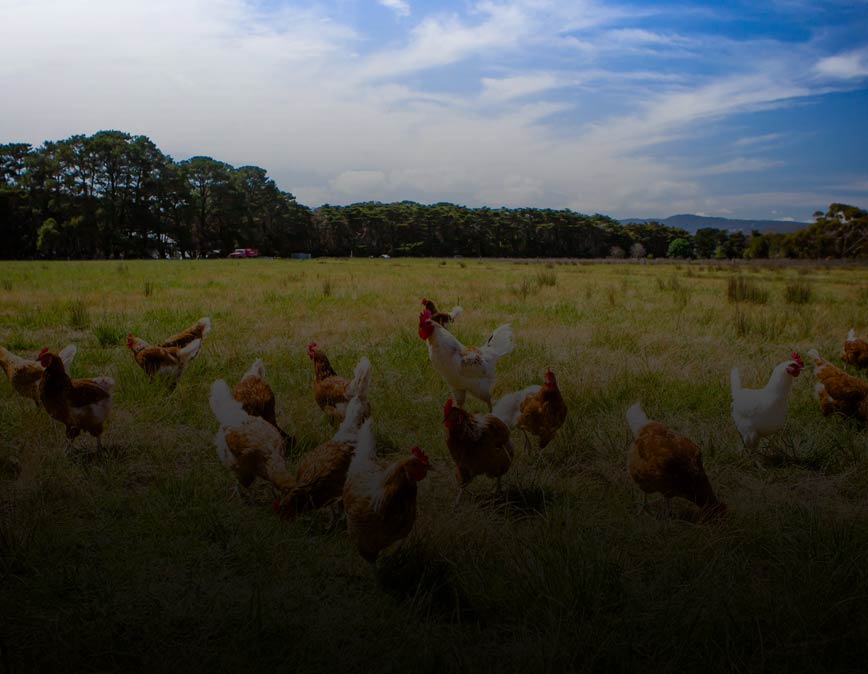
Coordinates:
column 138, row 559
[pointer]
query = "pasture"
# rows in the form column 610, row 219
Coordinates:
column 139, row 558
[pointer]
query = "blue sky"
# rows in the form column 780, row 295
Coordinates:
column 643, row 109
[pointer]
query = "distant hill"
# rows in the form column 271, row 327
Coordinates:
column 693, row 222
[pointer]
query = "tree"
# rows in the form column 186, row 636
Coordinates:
column 679, row 248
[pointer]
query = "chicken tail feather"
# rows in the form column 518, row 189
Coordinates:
column 500, row 343
column 190, row 351
column 361, row 379
column 229, row 412
column 636, row 418
column 256, row 370
column 67, row 354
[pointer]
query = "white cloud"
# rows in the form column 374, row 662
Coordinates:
column 738, row 165
column 335, row 118
column 400, row 7
column 508, row 88
column 758, row 140
column 851, row 65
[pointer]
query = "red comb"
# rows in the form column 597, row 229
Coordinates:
column 43, row 352
column 424, row 316
column 447, row 408
column 420, row 455
column 796, row 357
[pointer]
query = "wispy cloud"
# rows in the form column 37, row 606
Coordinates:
column 513, row 102
column 400, row 7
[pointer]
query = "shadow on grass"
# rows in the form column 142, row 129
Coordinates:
column 415, row 573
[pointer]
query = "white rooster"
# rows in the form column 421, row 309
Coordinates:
column 758, row 413
column 466, row 369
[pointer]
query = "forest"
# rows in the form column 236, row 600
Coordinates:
column 117, row 195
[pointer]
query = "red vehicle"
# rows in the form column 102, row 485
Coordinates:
column 244, row 252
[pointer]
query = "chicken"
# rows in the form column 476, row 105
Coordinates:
column 79, row 404
column 332, row 392
column 320, row 475
column 543, row 411
column 257, row 398
column 381, row 502
column 196, row 331
column 758, row 413
column 441, row 317
column 855, row 351
column 249, row 446
column 479, row 443
column 839, row 392
column 25, row 375
column 661, row 460
column 163, row 361
column 465, row 369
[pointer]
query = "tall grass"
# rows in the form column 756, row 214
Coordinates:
column 798, row 292
column 78, row 316
column 104, row 555
column 741, row 289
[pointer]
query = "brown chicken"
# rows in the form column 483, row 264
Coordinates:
column 257, row 398
column 543, row 411
column 79, row 404
column 661, row 460
column 163, row 361
column 332, row 392
column 249, row 446
column 479, row 443
column 196, row 331
column 25, row 375
column 320, row 476
column 855, row 351
column 839, row 392
column 441, row 317
column 381, row 502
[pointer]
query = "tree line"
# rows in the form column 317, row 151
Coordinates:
column 117, row 195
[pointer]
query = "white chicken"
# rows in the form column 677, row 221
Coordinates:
column 758, row 413
column 466, row 369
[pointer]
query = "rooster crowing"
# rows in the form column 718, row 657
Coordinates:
column 758, row 413
column 381, row 502
column 543, row 411
column 25, row 375
column 855, row 351
column 465, row 369
column 479, row 443
column 79, row 404
column 332, row 392
column 320, row 476
column 661, row 460
column 441, row 317
column 839, row 392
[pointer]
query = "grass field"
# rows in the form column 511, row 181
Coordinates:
column 138, row 559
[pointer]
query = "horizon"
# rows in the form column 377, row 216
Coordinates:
column 742, row 111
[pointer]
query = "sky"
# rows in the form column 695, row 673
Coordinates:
column 735, row 109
